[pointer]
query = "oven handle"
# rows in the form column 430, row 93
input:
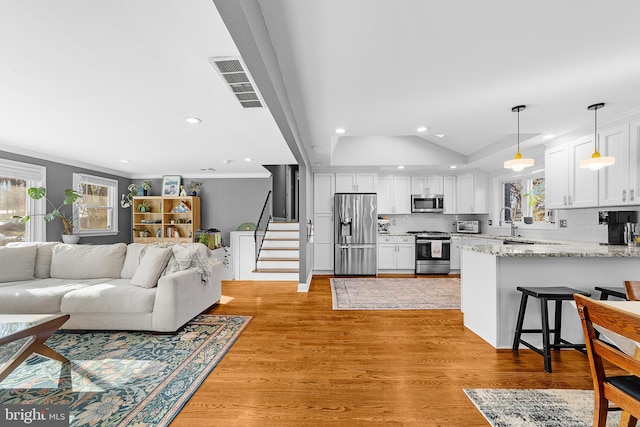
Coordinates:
column 444, row 241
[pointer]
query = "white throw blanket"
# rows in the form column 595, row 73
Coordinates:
column 436, row 249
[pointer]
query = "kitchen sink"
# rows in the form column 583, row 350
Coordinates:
column 511, row 242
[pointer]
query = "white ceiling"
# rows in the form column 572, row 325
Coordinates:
column 382, row 68
column 98, row 81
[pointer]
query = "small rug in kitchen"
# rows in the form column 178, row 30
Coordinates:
column 395, row 293
column 537, row 408
column 124, row 378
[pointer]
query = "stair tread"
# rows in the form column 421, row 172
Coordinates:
column 281, row 239
column 276, row 270
column 279, row 249
column 278, row 259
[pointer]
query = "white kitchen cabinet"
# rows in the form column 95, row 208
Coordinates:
column 455, row 252
column 323, row 189
column 356, row 182
column 619, row 182
column 566, row 184
column 323, row 248
column 449, row 192
column 396, row 253
column 432, row 184
column 394, row 195
column 471, row 193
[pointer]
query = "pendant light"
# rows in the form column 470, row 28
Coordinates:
column 596, row 161
column 518, row 163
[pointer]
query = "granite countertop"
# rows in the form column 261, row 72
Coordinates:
column 556, row 249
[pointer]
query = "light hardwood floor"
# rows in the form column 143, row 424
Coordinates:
column 299, row 363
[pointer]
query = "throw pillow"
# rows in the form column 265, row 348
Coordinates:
column 154, row 260
column 132, row 260
column 43, row 256
column 87, row 261
column 17, row 263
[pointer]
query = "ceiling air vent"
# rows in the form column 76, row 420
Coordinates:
column 238, row 80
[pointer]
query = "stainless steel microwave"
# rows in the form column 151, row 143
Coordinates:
column 468, row 226
column 427, row 203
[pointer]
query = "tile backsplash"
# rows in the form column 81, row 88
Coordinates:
column 582, row 224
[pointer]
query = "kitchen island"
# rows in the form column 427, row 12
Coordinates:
column 490, row 275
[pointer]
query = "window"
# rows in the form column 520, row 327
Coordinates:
column 525, row 197
column 98, row 208
column 15, row 178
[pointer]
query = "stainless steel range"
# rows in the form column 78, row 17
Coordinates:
column 433, row 252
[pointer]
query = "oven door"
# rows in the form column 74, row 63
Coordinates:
column 425, row 252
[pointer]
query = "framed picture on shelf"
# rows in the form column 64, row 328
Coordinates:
column 170, row 185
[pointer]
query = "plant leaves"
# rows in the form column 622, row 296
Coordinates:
column 37, row 193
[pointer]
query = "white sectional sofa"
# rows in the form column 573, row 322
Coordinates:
column 110, row 287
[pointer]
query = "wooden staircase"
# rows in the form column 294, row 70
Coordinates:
column 280, row 254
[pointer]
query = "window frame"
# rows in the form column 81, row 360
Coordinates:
column 35, row 176
column 112, row 207
column 498, row 185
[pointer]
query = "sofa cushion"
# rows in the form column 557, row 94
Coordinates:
column 17, row 263
column 36, row 296
column 132, row 260
column 87, row 261
column 114, row 296
column 43, row 256
column 153, row 262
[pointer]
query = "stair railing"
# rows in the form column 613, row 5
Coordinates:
column 261, row 226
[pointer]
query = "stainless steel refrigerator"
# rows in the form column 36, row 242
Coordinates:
column 356, row 229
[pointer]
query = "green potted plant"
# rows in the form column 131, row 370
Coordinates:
column 145, row 206
column 534, row 198
column 194, row 186
column 70, row 197
column 127, row 199
column 146, row 186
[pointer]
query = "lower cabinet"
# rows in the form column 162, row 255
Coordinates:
column 396, row 253
column 455, row 252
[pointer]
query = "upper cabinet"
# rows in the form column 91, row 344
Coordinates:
column 432, row 184
column 449, row 192
column 356, row 182
column 394, row 195
column 619, row 182
column 323, row 189
column 566, row 184
column 471, row 195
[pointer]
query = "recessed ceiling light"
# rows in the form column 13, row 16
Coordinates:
column 207, row 169
column 340, row 131
column 315, row 147
column 124, row 161
column 227, row 161
column 440, row 135
column 248, row 160
column 422, row 129
column 548, row 136
column 400, row 167
column 453, row 167
column 193, row 120
column 319, row 163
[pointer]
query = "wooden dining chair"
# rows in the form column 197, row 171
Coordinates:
column 621, row 390
column 633, row 289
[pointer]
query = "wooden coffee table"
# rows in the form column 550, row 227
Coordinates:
column 24, row 334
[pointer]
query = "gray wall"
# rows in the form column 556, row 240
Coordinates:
column 60, row 177
column 225, row 203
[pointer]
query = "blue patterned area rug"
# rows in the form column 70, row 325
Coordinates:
column 124, row 378
column 537, row 408
column 370, row 293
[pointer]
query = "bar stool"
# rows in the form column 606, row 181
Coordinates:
column 605, row 293
column 546, row 294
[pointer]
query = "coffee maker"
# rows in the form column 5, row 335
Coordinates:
column 621, row 226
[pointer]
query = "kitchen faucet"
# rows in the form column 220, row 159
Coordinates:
column 513, row 226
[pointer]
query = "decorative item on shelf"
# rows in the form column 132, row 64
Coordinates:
column 596, row 161
column 181, row 207
column 127, row 199
column 183, row 192
column 170, row 185
column 246, row 226
column 518, row 163
column 194, row 187
column 144, row 206
column 70, row 198
column 146, row 186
